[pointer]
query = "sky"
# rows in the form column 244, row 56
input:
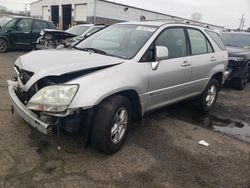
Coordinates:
column 220, row 12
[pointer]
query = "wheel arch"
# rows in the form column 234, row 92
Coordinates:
column 219, row 77
column 134, row 98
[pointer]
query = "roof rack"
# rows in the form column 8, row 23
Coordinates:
column 180, row 21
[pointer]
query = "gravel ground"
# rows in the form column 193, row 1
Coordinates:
column 161, row 151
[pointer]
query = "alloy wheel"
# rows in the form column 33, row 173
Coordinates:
column 211, row 95
column 120, row 124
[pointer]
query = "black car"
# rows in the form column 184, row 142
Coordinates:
column 19, row 31
column 238, row 46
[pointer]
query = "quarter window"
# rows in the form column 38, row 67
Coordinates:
column 174, row 39
column 40, row 25
column 199, row 43
column 217, row 39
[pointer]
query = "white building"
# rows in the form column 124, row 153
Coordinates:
column 65, row 13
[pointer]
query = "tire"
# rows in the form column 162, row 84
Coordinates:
column 240, row 83
column 207, row 99
column 108, row 112
column 3, row 45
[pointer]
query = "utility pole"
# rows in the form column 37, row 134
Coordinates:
column 242, row 22
column 25, row 9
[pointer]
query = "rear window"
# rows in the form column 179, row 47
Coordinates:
column 39, row 25
column 217, row 39
column 199, row 43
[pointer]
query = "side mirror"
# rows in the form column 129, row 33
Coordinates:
column 161, row 53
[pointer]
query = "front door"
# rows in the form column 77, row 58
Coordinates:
column 169, row 82
column 21, row 35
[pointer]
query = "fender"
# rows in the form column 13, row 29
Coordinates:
column 217, row 69
column 246, row 68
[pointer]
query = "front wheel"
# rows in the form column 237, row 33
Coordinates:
column 207, row 99
column 110, row 124
column 240, row 83
column 3, row 45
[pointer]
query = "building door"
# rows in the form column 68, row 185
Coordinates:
column 45, row 13
column 81, row 12
column 67, row 16
column 55, row 15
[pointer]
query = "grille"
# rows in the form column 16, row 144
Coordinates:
column 22, row 95
column 24, row 75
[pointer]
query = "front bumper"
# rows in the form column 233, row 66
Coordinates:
column 27, row 114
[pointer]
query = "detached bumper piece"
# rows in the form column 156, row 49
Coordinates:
column 27, row 114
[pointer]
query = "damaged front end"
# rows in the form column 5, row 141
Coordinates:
column 45, row 105
column 51, row 39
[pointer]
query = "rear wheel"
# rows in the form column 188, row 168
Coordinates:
column 207, row 100
column 110, row 124
column 3, row 45
column 240, row 83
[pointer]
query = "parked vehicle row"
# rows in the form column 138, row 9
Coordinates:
column 118, row 75
column 238, row 47
column 20, row 32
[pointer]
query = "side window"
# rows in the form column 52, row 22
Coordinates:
column 39, row 25
column 24, row 25
column 217, row 39
column 174, row 39
column 199, row 43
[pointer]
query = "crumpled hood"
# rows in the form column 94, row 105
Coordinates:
column 58, row 62
column 236, row 51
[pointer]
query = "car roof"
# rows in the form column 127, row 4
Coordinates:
column 237, row 32
column 91, row 25
column 171, row 22
column 16, row 16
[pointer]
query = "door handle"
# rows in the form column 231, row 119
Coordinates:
column 186, row 64
column 213, row 59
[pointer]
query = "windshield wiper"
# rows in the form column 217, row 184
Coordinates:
column 91, row 50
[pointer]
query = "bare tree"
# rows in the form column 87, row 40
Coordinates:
column 196, row 16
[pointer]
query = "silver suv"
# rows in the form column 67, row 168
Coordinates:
column 115, row 76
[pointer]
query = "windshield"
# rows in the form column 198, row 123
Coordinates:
column 4, row 20
column 119, row 40
column 236, row 39
column 77, row 30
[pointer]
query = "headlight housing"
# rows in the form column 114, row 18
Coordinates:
column 54, row 98
column 240, row 58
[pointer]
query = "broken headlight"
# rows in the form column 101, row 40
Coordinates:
column 54, row 98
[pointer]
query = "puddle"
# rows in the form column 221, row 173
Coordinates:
column 237, row 129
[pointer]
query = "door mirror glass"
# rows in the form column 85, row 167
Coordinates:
column 161, row 53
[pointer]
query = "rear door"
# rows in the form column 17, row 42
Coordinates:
column 21, row 35
column 203, row 59
column 38, row 25
column 169, row 82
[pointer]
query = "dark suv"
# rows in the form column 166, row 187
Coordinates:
column 238, row 47
column 19, row 32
